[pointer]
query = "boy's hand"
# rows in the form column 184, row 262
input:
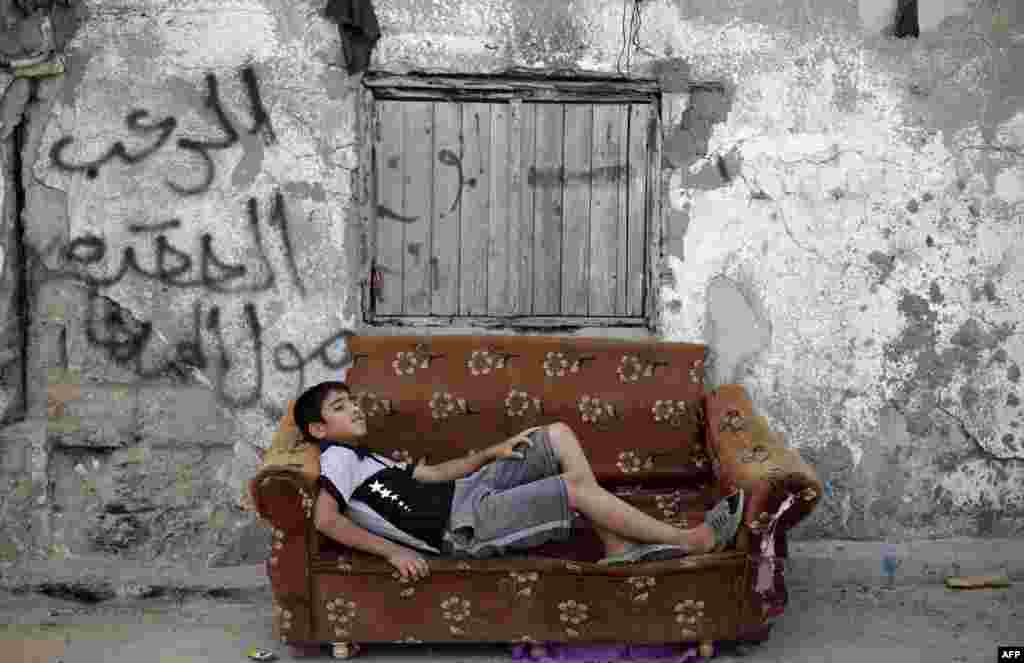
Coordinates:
column 410, row 565
column 507, row 449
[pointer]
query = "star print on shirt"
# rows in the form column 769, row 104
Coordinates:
column 378, row 487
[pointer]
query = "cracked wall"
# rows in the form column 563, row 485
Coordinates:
column 842, row 220
column 859, row 273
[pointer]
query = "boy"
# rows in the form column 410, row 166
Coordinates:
column 471, row 506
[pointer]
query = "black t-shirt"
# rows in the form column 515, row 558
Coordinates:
column 381, row 496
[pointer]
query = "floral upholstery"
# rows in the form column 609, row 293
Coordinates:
column 653, row 437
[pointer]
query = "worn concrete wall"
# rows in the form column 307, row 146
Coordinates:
column 150, row 395
column 843, row 226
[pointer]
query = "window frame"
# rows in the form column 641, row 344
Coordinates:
column 385, row 86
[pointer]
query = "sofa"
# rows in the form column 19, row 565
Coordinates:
column 654, row 436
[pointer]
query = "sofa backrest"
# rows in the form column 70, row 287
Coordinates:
column 636, row 406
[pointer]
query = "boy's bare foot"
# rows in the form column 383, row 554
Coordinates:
column 704, row 539
column 616, row 548
column 698, row 540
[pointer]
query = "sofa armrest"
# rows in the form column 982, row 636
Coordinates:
column 746, row 454
column 284, row 498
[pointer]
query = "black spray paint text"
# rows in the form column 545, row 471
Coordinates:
column 125, row 339
column 214, row 275
column 136, row 122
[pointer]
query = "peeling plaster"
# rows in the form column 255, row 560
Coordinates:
column 797, row 170
column 931, row 14
column 1009, row 185
column 737, row 331
column 161, row 56
column 193, row 37
column 848, row 243
column 840, row 212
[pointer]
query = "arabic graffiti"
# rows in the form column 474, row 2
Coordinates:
column 536, row 177
column 137, row 122
column 388, row 213
column 166, row 127
column 261, row 120
column 90, row 249
column 553, row 176
column 125, row 339
column 449, row 158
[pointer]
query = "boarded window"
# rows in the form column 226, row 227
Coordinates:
column 494, row 203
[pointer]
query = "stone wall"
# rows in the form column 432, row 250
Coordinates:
column 843, row 220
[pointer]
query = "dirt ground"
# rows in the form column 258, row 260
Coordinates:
column 849, row 623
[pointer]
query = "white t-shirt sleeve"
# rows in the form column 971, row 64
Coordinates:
column 338, row 474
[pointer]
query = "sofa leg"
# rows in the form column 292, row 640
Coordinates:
column 707, row 648
column 344, row 649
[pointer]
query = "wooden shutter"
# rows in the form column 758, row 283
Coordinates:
column 511, row 208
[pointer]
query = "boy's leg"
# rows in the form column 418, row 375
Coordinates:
column 611, row 516
column 625, row 520
column 573, row 460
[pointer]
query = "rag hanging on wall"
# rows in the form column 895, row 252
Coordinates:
column 357, row 25
column 27, row 43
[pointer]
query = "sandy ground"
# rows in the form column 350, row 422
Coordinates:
column 847, row 623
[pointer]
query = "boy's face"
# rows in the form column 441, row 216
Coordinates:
column 343, row 419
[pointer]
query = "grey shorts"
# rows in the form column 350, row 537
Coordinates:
column 510, row 504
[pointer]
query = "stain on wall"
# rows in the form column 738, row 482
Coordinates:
column 841, row 217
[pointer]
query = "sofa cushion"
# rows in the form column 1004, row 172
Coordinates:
column 634, row 405
column 287, row 450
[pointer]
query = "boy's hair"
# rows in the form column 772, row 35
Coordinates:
column 308, row 406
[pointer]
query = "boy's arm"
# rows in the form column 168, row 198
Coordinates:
column 331, row 523
column 466, row 465
column 453, row 469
